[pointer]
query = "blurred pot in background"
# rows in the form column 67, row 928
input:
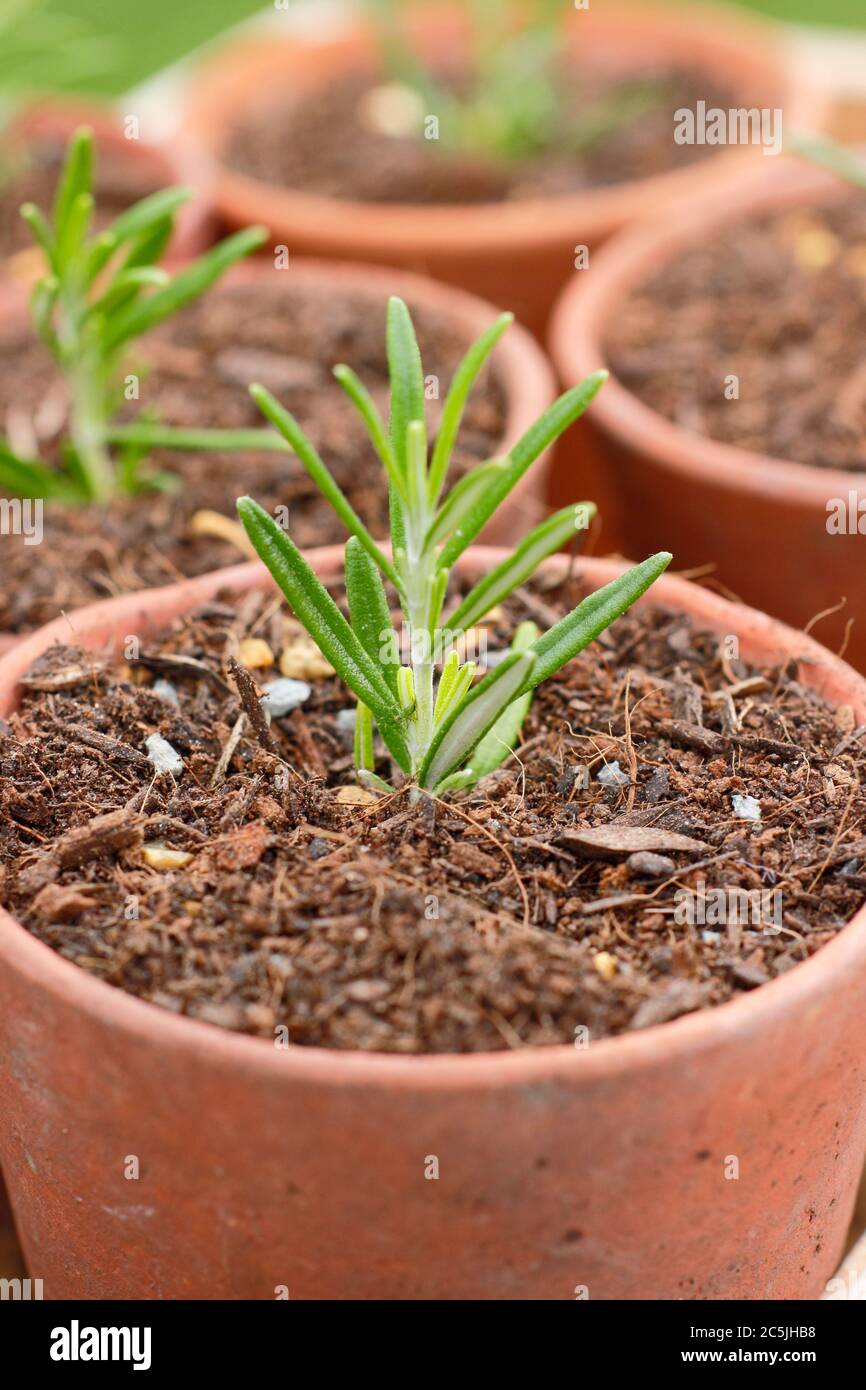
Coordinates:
column 312, row 139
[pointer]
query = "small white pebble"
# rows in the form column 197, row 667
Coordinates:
column 392, row 109
column 746, row 808
column 162, row 755
column 711, row 938
column 346, row 720
column 612, row 775
column 166, row 691
column 283, row 695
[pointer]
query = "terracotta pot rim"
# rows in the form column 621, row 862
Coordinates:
column 499, row 226
column 587, row 304
column 645, row 1048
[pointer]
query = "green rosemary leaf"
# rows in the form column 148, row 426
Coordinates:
column 462, row 729
column 407, row 377
column 461, row 502
column 139, row 318
column 501, row 581
column 30, row 478
column 455, row 402
column 369, row 611
column 291, row 431
column 42, row 232
column 325, row 623
column 568, row 637
column 492, row 750
column 363, row 738
column 147, row 213
column 76, row 178
column 537, row 438
column 155, row 436
column 366, row 407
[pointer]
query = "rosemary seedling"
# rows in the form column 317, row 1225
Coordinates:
column 100, row 293
column 442, row 729
column 508, row 104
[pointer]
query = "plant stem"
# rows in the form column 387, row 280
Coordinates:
column 418, row 579
column 422, row 669
column 87, row 432
column 88, row 413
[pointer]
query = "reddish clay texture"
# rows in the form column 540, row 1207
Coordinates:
column 524, row 373
column 561, row 1171
column 760, row 521
column 516, row 254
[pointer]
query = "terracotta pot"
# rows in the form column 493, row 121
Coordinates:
column 11, row 1260
column 761, row 521
column 54, row 121
column 517, row 254
column 524, row 374
column 559, row 1167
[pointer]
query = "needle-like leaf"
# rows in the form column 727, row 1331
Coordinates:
column 455, row 402
column 504, row 578
column 363, row 738
column 407, row 377
column 537, row 438
column 325, row 623
column 77, row 178
column 366, row 407
column 584, row 623
column 369, row 611
column 492, row 750
column 42, row 232
column 291, row 431
column 461, row 501
column 829, row 155
column 144, row 435
column 146, row 213
column 469, row 721
column 29, row 478
column 139, row 318
column 447, row 680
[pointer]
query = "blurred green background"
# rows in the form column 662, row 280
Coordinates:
column 157, row 32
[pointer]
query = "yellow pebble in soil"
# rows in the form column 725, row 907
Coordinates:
column 300, row 658
column 255, row 654
column 159, row 857
column 815, row 248
column 355, row 796
column 605, row 964
column 223, row 528
column 135, row 675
